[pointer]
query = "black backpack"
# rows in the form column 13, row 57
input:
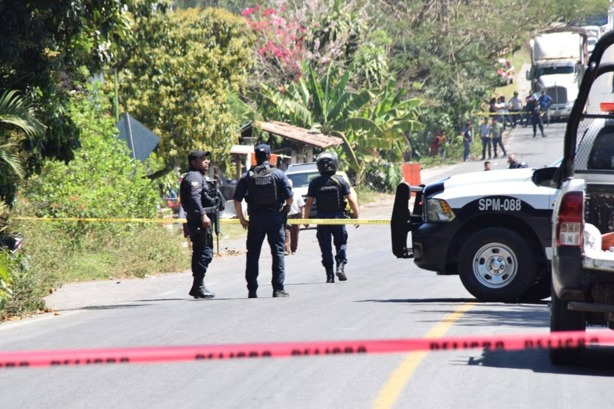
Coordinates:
column 329, row 196
column 263, row 186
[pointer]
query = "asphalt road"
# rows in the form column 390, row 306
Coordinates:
column 384, row 298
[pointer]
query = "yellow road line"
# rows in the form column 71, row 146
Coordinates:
column 390, row 393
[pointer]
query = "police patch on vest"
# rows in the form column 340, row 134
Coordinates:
column 262, row 186
column 329, row 196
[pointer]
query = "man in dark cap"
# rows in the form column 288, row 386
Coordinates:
column 199, row 199
column 269, row 197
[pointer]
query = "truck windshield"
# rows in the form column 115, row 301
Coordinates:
column 555, row 70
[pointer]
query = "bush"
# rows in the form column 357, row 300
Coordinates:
column 101, row 182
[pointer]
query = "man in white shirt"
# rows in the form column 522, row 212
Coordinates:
column 515, row 105
column 297, row 211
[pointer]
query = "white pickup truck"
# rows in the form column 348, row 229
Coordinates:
column 583, row 271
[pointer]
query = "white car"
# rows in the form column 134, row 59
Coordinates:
column 303, row 173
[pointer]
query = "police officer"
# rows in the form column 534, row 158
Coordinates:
column 331, row 191
column 199, row 198
column 269, row 197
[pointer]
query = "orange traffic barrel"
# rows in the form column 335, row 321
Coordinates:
column 411, row 173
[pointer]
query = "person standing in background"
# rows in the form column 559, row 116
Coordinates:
column 496, row 131
column 297, row 211
column 467, row 138
column 486, row 138
column 533, row 110
column 515, row 105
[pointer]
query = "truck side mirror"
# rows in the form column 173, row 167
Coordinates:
column 544, row 177
column 529, row 76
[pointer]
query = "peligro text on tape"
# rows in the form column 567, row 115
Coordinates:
column 222, row 221
column 79, row 357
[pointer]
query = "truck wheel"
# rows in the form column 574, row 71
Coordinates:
column 496, row 264
column 562, row 319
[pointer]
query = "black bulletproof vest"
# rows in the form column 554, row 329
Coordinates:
column 329, row 196
column 262, row 186
column 207, row 195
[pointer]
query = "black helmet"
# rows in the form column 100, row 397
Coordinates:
column 327, row 163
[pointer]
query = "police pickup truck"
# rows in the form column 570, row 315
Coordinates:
column 493, row 229
column 582, row 265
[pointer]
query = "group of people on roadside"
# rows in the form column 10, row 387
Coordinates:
column 502, row 114
column 270, row 201
column 438, row 144
column 533, row 110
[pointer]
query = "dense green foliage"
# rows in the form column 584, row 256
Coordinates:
column 372, row 121
column 17, row 122
column 101, row 181
column 47, row 49
column 178, row 81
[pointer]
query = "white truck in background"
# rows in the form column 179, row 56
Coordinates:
column 558, row 60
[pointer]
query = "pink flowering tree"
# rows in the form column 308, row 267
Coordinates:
column 280, row 43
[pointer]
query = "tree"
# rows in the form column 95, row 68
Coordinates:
column 178, row 81
column 102, row 181
column 48, row 49
column 17, row 118
column 444, row 51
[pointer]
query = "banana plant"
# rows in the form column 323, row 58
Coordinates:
column 369, row 120
column 15, row 114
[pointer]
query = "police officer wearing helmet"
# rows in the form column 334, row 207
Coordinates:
column 269, row 197
column 199, row 198
column 331, row 191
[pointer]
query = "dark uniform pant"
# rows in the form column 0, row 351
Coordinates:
column 329, row 235
column 202, row 250
column 269, row 223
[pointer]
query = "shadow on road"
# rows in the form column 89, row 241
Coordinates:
column 483, row 313
column 598, row 361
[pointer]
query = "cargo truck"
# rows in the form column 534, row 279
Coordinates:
column 558, row 60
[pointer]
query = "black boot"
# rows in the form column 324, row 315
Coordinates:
column 340, row 272
column 199, row 290
column 330, row 276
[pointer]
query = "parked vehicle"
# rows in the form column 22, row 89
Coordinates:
column 582, row 265
column 303, row 173
column 490, row 228
column 558, row 60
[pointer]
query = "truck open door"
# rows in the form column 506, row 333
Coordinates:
column 401, row 219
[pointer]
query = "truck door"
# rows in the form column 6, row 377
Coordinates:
column 401, row 220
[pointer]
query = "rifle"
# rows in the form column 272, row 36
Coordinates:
column 218, row 204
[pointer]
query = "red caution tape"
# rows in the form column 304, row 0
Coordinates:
column 79, row 357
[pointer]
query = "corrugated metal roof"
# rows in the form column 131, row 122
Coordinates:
column 298, row 134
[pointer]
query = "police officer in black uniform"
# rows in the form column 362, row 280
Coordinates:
column 269, row 197
column 199, row 198
column 330, row 191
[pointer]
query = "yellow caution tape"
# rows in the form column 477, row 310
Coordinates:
column 338, row 221
column 222, row 221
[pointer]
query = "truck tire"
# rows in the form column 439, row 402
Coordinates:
column 496, row 264
column 562, row 319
